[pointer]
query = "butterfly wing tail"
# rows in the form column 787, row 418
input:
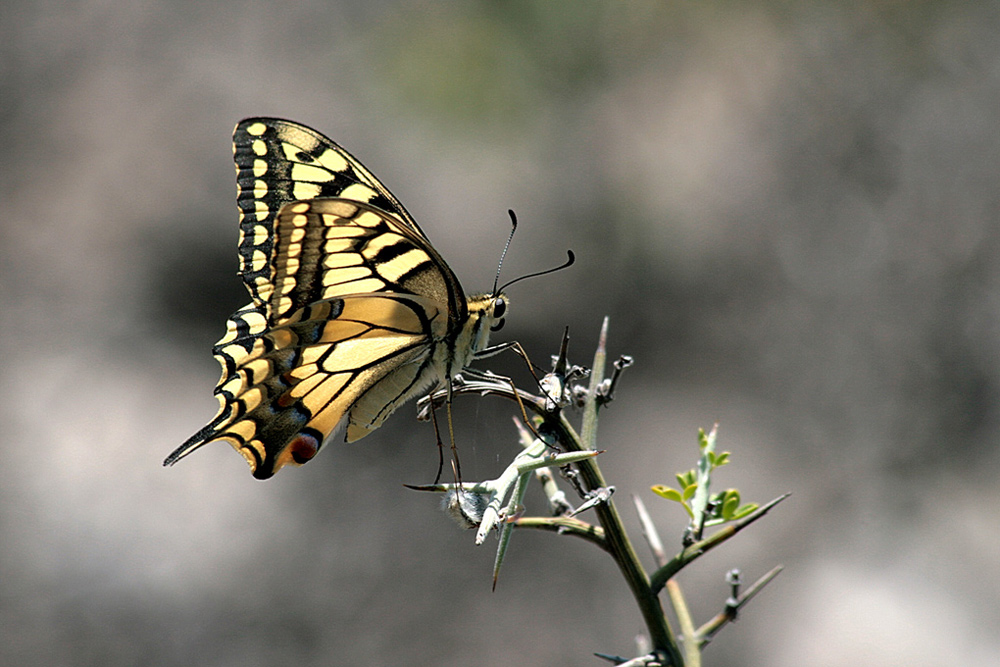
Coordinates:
column 200, row 438
column 243, row 329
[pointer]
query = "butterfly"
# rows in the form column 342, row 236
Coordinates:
column 353, row 312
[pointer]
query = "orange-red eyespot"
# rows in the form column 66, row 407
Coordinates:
column 303, row 447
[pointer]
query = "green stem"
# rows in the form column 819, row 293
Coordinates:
column 620, row 547
column 708, row 631
column 665, row 573
column 565, row 526
column 588, row 429
column 616, row 538
column 692, row 655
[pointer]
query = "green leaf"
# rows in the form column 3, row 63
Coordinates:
column 667, row 492
column 722, row 459
column 729, row 506
column 671, row 494
column 749, row 508
column 689, row 491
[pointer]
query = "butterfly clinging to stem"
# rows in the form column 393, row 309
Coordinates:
column 353, row 311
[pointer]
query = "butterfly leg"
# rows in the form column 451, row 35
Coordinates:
column 493, row 377
column 456, row 467
column 440, row 444
column 494, row 350
column 516, row 346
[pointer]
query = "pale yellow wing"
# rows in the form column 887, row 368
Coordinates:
column 350, row 302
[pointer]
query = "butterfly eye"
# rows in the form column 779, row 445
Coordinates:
column 499, row 308
column 498, row 326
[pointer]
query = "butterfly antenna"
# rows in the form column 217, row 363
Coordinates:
column 513, row 228
column 565, row 265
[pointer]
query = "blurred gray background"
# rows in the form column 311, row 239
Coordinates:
column 788, row 210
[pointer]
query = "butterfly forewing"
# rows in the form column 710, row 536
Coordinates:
column 278, row 162
column 333, row 247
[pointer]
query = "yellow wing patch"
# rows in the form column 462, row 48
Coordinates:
column 327, row 248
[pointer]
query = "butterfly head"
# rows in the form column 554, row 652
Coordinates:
column 498, row 308
column 486, row 314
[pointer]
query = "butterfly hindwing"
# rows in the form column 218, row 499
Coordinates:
column 302, row 379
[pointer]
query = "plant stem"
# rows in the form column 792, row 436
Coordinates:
column 708, row 631
column 616, row 539
column 565, row 526
column 661, row 576
column 691, row 653
column 620, row 548
column 588, row 429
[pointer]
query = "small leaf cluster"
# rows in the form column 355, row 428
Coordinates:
column 722, row 506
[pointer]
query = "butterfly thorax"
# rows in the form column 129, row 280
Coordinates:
column 486, row 314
